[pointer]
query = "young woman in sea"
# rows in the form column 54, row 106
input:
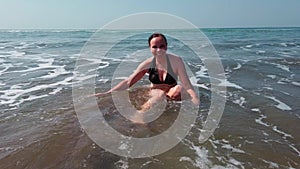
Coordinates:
column 163, row 69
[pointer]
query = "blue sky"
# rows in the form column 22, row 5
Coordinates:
column 93, row 14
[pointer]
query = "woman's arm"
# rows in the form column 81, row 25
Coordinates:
column 186, row 83
column 131, row 80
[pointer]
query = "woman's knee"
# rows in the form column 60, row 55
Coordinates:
column 174, row 92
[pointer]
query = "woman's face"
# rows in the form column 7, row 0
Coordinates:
column 158, row 46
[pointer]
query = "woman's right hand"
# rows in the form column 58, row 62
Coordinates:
column 100, row 94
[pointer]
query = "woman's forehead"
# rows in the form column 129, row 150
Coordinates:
column 157, row 40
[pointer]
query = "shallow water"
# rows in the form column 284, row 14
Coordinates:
column 259, row 127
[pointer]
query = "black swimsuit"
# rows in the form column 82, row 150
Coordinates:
column 171, row 78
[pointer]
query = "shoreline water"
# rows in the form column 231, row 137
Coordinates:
column 258, row 129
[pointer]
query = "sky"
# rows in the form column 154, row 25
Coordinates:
column 93, row 14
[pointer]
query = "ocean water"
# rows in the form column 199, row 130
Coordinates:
column 259, row 127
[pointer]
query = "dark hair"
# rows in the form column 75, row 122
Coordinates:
column 154, row 35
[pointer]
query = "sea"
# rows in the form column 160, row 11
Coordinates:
column 259, row 127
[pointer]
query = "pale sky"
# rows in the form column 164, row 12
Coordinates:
column 93, row 14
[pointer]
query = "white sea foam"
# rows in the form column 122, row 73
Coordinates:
column 274, row 127
column 200, row 86
column 283, row 67
column 272, row 76
column 256, row 110
column 7, row 66
column 245, row 48
column 103, row 80
column 283, row 44
column 265, row 134
column 280, row 105
column 285, row 135
column 241, row 101
column 238, row 66
column 23, row 45
column 121, row 78
column 16, row 53
column 201, row 159
column 260, row 120
column 194, row 82
column 202, row 72
column 226, row 83
column 44, row 63
column 233, row 149
column 11, row 95
column 280, row 66
column 55, row 91
column 296, row 83
column 271, row 164
column 284, row 81
column 226, row 145
column 295, row 149
column 59, row 70
column 30, row 98
column 235, row 163
column 260, row 52
column 230, row 161
column 122, row 164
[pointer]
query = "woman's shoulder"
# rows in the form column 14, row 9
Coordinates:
column 146, row 63
column 174, row 59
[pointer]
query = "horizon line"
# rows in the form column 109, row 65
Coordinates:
column 229, row 27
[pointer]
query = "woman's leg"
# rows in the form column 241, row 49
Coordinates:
column 156, row 95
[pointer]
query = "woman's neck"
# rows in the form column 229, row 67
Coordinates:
column 161, row 62
column 161, row 59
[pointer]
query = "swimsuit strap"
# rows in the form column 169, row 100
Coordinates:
column 169, row 69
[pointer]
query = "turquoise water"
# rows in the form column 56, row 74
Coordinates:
column 259, row 127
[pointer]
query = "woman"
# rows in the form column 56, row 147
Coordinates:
column 163, row 70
